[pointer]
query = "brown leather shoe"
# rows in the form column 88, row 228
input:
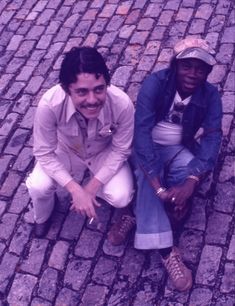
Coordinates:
column 120, row 230
column 179, row 274
column 40, row 230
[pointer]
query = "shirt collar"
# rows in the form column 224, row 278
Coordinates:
column 70, row 108
column 178, row 99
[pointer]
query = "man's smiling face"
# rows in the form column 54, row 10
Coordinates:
column 88, row 94
column 190, row 74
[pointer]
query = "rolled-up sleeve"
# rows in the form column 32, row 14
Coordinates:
column 45, row 145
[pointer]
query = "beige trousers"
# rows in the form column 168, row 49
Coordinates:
column 118, row 191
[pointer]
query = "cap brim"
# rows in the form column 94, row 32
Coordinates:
column 197, row 53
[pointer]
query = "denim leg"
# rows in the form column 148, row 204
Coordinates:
column 153, row 229
column 178, row 170
column 153, row 226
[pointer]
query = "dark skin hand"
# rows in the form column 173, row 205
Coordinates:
column 181, row 193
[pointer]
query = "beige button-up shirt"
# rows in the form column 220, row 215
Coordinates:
column 102, row 144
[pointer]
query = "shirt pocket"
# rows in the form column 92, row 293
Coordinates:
column 107, row 130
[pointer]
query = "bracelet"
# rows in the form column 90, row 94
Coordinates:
column 160, row 190
column 193, row 177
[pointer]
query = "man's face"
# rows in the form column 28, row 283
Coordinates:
column 190, row 74
column 88, row 94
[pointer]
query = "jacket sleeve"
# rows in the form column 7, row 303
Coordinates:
column 145, row 119
column 207, row 152
column 45, row 145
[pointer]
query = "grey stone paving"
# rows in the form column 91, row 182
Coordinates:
column 69, row 266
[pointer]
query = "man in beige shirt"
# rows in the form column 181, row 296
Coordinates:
column 83, row 123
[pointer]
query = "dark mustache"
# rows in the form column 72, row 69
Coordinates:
column 91, row 105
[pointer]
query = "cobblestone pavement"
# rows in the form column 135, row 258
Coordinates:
column 69, row 266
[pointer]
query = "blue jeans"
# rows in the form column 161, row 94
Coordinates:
column 153, row 229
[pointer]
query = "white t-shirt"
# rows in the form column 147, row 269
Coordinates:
column 166, row 132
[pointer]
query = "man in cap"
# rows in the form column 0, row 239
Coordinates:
column 172, row 105
column 83, row 124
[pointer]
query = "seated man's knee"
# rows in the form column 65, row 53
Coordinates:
column 39, row 186
column 119, row 198
column 119, row 190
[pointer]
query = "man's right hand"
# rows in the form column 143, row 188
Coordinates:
column 82, row 201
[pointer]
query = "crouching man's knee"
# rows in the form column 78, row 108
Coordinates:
column 39, row 184
column 119, row 198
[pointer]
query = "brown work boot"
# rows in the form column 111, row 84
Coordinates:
column 120, row 229
column 179, row 274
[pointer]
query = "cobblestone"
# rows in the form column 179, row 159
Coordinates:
column 14, row 90
column 10, row 184
column 7, row 268
column 231, row 251
column 228, row 281
column 39, row 301
column 67, row 297
column 20, row 239
column 44, row 18
column 15, row 42
column 208, row 265
column 59, row 255
column 94, row 295
column 69, row 266
column 228, row 35
column 204, row 11
column 197, row 26
column 21, row 289
column 17, row 141
column 121, row 75
column 201, row 297
column 23, row 160
column 217, row 235
column 47, row 284
column 228, row 105
column 20, row 200
column 8, row 124
column 3, row 206
column 35, row 258
column 104, row 272
column 76, row 272
column 190, row 243
column 225, row 191
column 225, row 300
column 230, row 82
column 227, row 172
column 218, row 74
column 72, row 221
column 86, row 249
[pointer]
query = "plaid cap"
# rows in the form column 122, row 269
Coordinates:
column 192, row 47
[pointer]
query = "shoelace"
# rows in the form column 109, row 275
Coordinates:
column 126, row 225
column 173, row 264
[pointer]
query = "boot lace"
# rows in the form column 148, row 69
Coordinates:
column 127, row 222
column 174, row 266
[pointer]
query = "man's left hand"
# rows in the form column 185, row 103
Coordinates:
column 179, row 195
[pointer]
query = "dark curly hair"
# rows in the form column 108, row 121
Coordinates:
column 79, row 60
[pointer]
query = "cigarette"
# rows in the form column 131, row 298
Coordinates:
column 91, row 220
